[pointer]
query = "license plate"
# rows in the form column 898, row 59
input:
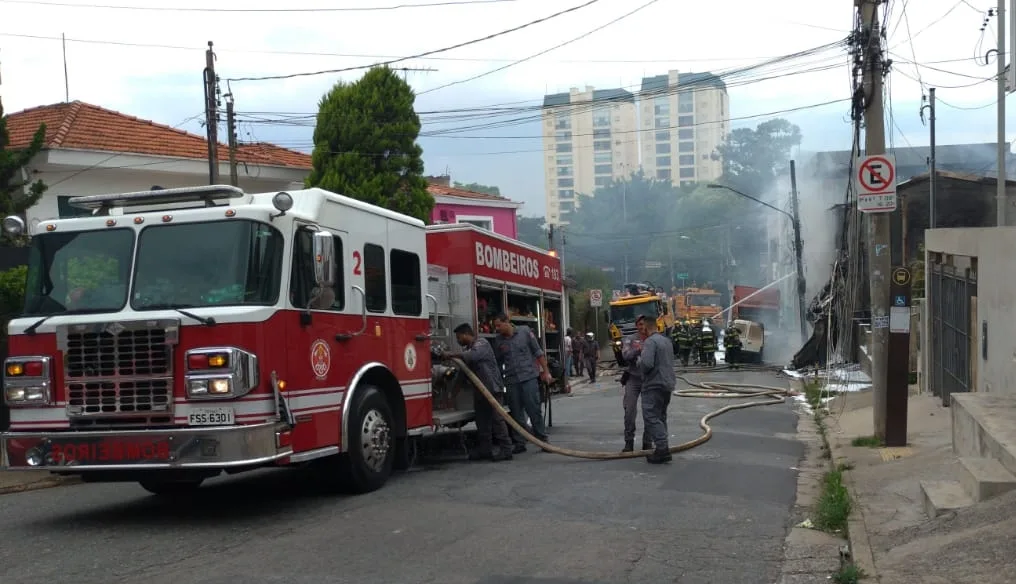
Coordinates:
column 110, row 451
column 211, row 417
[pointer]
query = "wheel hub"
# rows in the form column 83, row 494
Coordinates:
column 375, row 440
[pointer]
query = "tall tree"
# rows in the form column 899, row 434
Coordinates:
column 532, row 230
column 478, row 188
column 15, row 199
column 753, row 159
column 365, row 144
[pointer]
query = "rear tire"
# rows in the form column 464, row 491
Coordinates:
column 166, row 488
column 370, row 453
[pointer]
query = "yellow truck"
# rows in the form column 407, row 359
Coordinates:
column 695, row 304
column 637, row 300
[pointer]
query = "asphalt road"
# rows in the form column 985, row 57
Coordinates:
column 718, row 514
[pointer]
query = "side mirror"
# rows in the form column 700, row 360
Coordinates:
column 324, row 259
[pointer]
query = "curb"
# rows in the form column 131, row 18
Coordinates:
column 46, row 483
column 857, row 529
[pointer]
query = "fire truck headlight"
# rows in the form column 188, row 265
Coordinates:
column 220, row 373
column 27, row 395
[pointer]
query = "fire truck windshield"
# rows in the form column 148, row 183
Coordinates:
column 629, row 312
column 207, row 264
column 704, row 299
column 78, row 271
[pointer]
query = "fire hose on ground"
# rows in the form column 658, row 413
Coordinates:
column 702, row 390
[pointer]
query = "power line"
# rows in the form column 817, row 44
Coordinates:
column 295, row 143
column 545, row 51
column 967, row 108
column 366, row 56
column 424, row 54
column 256, row 10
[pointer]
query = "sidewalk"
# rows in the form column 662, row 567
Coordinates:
column 891, row 537
column 18, row 481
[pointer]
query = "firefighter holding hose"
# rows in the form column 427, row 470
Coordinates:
column 491, row 429
column 707, row 344
column 732, row 345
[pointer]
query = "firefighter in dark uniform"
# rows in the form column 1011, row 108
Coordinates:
column 685, row 340
column 696, row 340
column 732, row 345
column 707, row 344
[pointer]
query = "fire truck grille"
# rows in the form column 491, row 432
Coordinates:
column 130, row 353
column 119, row 373
column 139, row 398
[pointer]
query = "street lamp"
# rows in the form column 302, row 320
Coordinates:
column 796, row 222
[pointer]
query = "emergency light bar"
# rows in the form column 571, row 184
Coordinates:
column 207, row 193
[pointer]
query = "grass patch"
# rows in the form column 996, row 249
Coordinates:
column 813, row 393
column 848, row 574
column 866, row 441
column 833, row 506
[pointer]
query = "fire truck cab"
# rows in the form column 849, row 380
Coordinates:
column 176, row 334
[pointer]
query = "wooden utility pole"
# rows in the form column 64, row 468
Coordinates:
column 234, row 177
column 212, row 115
column 802, row 287
column 1000, row 57
column 879, row 256
column 932, row 172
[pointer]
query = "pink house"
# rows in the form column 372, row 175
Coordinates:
column 453, row 205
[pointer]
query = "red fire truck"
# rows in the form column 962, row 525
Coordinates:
column 174, row 335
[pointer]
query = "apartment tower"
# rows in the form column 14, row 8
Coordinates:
column 684, row 118
column 590, row 137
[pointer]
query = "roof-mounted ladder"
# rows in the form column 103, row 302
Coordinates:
column 101, row 204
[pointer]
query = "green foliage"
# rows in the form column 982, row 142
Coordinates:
column 532, row 230
column 849, row 574
column 478, row 188
column 866, row 442
column 833, row 507
column 752, row 159
column 12, row 299
column 365, row 144
column 14, row 198
column 92, row 272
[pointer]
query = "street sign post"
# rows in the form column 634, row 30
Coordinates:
column 595, row 298
column 898, row 363
column 876, row 184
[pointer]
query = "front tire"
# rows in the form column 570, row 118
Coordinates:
column 370, row 453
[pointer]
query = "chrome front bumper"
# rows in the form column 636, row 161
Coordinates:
column 184, row 448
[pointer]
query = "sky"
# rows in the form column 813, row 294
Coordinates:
column 148, row 63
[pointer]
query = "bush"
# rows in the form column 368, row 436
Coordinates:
column 12, row 298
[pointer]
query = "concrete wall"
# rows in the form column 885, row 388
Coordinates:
column 995, row 302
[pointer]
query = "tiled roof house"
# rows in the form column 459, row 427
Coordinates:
column 92, row 150
column 455, row 205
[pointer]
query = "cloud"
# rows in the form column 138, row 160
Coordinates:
column 165, row 84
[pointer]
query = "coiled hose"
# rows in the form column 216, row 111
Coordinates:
column 703, row 390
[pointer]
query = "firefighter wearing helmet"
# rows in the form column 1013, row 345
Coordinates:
column 707, row 344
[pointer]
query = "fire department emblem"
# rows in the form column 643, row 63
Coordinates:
column 320, row 358
column 410, row 357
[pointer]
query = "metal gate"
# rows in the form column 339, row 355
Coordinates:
column 951, row 291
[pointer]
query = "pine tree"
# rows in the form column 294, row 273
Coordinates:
column 14, row 198
column 365, row 144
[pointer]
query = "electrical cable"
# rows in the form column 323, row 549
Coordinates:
column 701, row 389
column 366, row 56
column 431, row 4
column 544, row 51
column 425, row 53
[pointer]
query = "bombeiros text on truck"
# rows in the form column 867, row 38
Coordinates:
column 174, row 335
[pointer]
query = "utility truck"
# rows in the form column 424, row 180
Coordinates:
column 173, row 335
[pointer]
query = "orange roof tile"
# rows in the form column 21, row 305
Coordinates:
column 83, row 126
column 437, row 190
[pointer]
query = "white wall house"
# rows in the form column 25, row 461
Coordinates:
column 90, row 150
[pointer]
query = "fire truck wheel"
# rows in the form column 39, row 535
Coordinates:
column 371, row 453
column 170, row 488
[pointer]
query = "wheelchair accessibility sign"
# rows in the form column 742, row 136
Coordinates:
column 900, row 300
